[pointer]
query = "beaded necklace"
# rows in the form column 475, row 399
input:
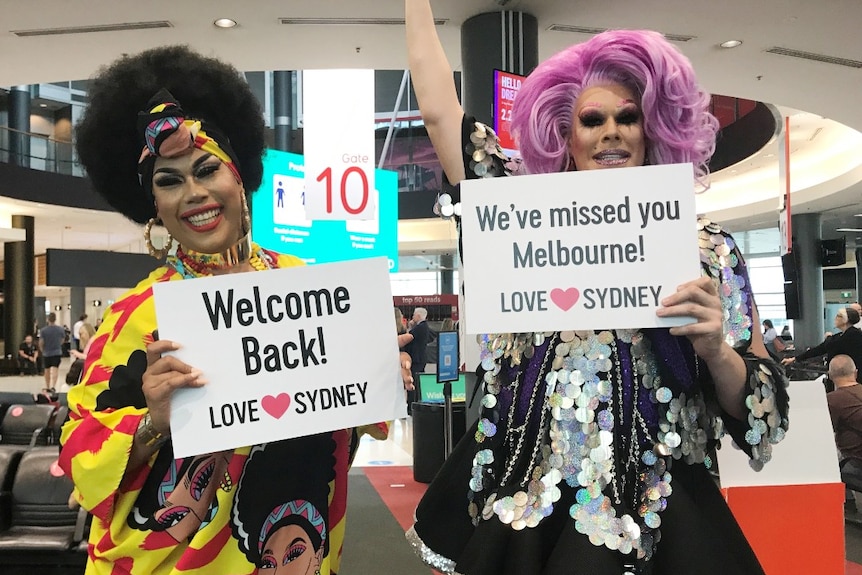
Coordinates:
column 193, row 264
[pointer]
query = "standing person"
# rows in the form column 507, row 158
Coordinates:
column 76, row 333
column 847, row 341
column 417, row 348
column 51, row 339
column 591, row 453
column 28, row 355
column 845, row 410
column 858, row 307
column 175, row 138
column 400, row 324
column 769, row 335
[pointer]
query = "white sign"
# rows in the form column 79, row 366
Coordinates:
column 597, row 249
column 338, row 144
column 287, row 353
column 807, row 455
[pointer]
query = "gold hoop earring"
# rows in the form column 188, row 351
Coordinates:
column 158, row 254
column 246, row 214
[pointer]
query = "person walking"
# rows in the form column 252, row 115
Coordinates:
column 51, row 345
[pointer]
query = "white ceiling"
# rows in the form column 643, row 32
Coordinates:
column 825, row 91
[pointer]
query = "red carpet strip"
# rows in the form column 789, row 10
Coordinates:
column 853, row 569
column 403, row 497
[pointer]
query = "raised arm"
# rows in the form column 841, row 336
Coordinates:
column 435, row 90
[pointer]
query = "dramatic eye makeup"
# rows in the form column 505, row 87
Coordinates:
column 204, row 166
column 296, row 549
column 593, row 114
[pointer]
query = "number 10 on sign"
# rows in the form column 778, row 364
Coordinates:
column 351, row 195
column 338, row 118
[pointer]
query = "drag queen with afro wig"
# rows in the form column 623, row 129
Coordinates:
column 175, row 139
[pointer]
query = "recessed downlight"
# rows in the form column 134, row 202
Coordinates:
column 731, row 43
column 224, row 23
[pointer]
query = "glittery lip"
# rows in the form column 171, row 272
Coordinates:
column 613, row 157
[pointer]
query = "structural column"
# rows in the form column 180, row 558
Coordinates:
column 447, row 274
column 18, row 268
column 808, row 330
column 282, row 108
column 77, row 299
column 507, row 41
column 859, row 274
column 19, row 122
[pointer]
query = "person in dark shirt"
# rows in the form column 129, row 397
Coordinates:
column 28, row 353
column 847, row 342
column 51, row 344
column 421, row 336
column 845, row 409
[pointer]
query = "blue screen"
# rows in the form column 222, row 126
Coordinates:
column 279, row 223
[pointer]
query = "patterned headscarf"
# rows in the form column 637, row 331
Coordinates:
column 298, row 507
column 168, row 133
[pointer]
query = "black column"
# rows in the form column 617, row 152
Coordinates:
column 859, row 274
column 19, row 122
column 18, row 285
column 447, row 274
column 809, row 330
column 282, row 109
column 507, row 41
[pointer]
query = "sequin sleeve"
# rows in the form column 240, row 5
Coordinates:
column 766, row 398
column 483, row 158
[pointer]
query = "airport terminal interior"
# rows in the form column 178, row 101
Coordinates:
column 786, row 181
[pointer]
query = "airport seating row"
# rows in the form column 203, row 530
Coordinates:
column 39, row 532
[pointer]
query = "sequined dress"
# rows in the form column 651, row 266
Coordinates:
column 592, row 452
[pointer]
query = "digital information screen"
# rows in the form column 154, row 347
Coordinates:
column 280, row 223
column 506, row 86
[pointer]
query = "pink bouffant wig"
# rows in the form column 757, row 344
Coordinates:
column 677, row 125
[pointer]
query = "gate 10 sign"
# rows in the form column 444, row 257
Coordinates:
column 339, row 144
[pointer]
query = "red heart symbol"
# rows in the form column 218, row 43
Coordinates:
column 275, row 406
column 565, row 299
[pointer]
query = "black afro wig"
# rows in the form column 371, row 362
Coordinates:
column 108, row 141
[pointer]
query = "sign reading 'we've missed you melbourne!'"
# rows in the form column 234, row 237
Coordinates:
column 287, row 353
column 597, row 249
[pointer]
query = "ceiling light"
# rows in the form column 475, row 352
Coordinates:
column 731, row 43
column 225, row 23
column 43, row 105
column 848, row 230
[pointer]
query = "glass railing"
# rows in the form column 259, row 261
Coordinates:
column 38, row 152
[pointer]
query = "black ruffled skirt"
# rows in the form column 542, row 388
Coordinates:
column 699, row 535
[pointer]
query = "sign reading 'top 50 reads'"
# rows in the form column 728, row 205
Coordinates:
column 596, row 249
column 287, row 353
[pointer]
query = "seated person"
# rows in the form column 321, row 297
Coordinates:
column 28, row 354
column 845, row 409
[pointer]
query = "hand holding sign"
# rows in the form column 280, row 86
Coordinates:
column 697, row 299
column 570, row 257
column 279, row 350
column 164, row 375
